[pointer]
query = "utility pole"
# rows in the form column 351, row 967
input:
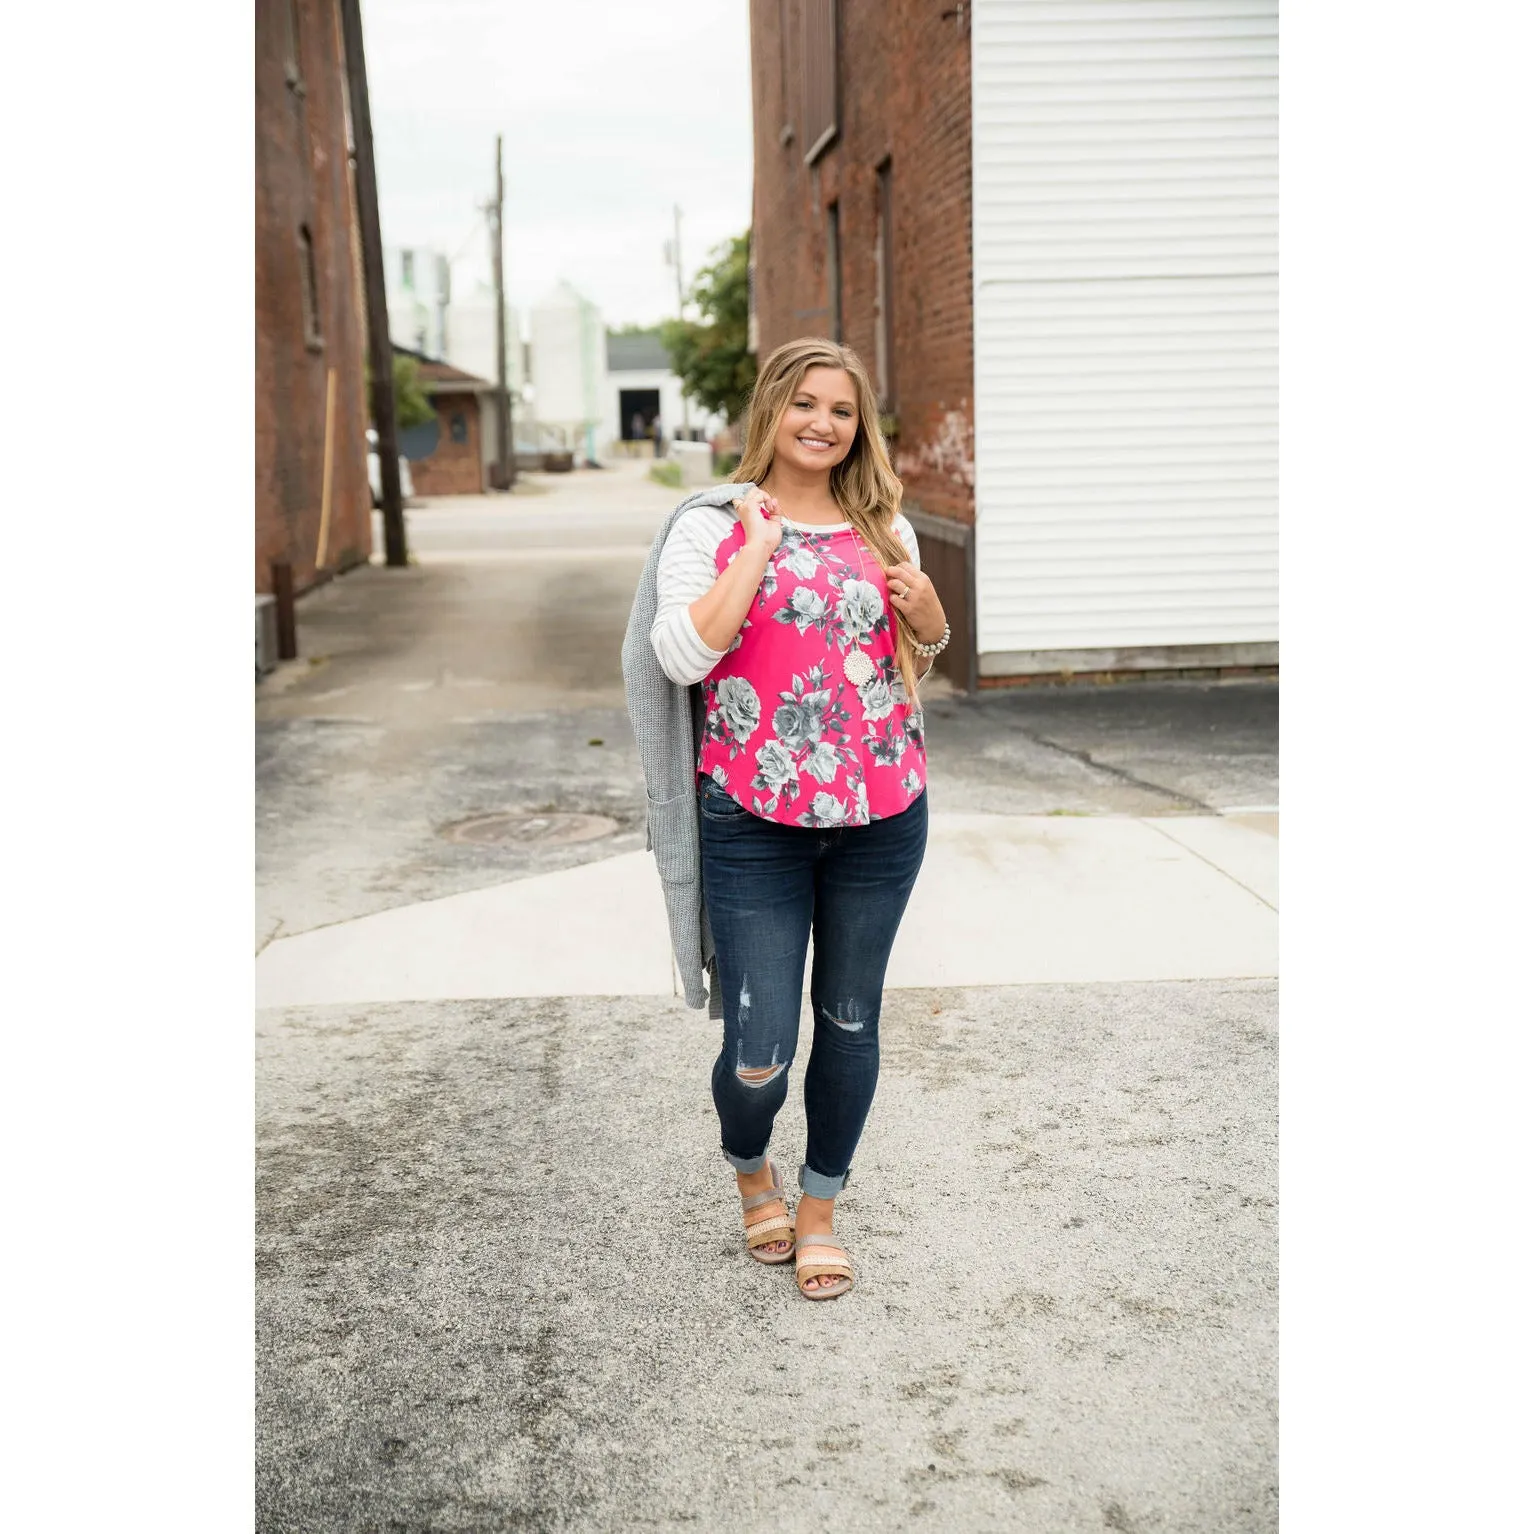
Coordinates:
column 676, row 248
column 380, row 352
column 506, row 467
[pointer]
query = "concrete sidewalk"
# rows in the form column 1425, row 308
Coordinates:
column 1001, row 900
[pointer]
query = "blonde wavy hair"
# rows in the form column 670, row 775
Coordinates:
column 863, row 483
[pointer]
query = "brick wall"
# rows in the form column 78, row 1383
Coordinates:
column 904, row 94
column 303, row 177
column 453, row 468
column 904, row 89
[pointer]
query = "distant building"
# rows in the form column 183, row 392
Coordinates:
column 1051, row 233
column 451, row 454
column 568, row 366
column 589, row 384
column 418, row 289
column 471, row 347
column 470, row 338
column 640, row 384
column 310, row 326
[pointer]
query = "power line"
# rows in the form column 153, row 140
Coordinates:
column 470, row 238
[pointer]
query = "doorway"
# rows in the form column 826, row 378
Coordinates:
column 637, row 410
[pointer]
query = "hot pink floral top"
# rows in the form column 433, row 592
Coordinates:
column 786, row 735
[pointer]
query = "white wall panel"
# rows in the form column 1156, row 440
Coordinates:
column 1125, row 242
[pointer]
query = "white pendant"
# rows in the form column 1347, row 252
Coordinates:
column 857, row 668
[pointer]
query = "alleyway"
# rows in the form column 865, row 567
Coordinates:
column 500, row 1279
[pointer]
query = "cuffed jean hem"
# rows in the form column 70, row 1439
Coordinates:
column 818, row 1185
column 747, row 1164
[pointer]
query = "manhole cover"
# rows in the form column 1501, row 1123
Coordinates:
column 553, row 829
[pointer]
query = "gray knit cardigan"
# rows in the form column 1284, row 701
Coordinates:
column 668, row 724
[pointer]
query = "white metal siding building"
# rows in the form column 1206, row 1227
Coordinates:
column 471, row 338
column 1125, row 270
column 640, row 364
column 568, row 362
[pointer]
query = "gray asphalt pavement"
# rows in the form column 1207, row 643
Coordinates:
column 501, row 1285
column 500, row 1281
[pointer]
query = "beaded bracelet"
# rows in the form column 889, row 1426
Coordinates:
column 937, row 646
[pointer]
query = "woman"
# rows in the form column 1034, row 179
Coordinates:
column 801, row 609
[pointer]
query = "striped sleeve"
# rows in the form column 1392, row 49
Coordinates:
column 907, row 535
column 686, row 572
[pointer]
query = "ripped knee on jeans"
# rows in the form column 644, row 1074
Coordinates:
column 848, row 1020
column 759, row 1076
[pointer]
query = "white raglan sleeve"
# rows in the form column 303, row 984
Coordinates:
column 907, row 535
column 686, row 572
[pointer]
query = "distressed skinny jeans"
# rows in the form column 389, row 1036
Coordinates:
column 768, row 887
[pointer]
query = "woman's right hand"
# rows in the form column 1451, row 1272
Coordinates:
column 719, row 613
column 767, row 529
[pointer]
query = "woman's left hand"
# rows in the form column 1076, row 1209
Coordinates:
column 913, row 597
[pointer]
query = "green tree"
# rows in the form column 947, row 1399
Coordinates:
column 411, row 406
column 711, row 357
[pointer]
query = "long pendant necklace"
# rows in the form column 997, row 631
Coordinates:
column 857, row 666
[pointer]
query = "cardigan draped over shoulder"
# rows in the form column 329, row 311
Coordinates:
column 668, row 725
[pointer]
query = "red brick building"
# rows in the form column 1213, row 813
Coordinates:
column 448, row 456
column 309, row 310
column 1051, row 232
column 861, row 231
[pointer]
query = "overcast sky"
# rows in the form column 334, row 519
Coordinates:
column 612, row 112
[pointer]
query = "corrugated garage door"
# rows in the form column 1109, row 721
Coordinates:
column 1125, row 332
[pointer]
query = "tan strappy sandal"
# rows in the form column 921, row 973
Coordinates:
column 817, row 1256
column 767, row 1228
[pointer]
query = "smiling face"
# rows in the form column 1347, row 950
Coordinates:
column 820, row 422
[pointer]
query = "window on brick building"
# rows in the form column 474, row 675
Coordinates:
column 820, row 76
column 884, row 291
column 308, row 278
column 295, row 61
column 834, row 271
column 788, row 77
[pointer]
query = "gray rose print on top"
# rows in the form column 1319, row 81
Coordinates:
column 823, row 762
column 733, row 713
column 886, row 743
column 859, row 611
column 799, row 723
column 825, row 810
column 810, row 762
column 798, row 558
column 806, row 608
column 800, row 719
column 776, row 767
column 776, row 772
column 878, row 699
column 741, row 707
column 889, row 669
